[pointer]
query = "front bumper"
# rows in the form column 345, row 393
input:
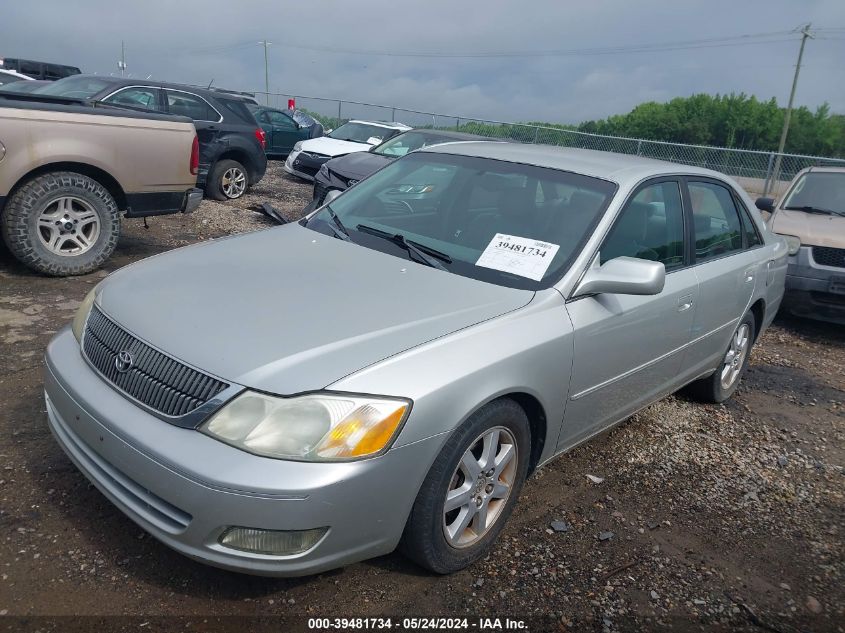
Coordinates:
column 305, row 165
column 814, row 290
column 192, row 200
column 185, row 488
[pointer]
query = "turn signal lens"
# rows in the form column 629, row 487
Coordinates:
column 793, row 243
column 81, row 315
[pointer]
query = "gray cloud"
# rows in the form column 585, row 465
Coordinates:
column 195, row 42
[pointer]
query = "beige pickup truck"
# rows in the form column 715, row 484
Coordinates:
column 68, row 170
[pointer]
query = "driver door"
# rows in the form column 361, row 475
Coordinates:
column 629, row 348
column 284, row 132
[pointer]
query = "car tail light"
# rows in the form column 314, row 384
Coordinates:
column 262, row 138
column 195, row 156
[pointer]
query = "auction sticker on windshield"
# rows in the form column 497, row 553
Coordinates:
column 518, row 255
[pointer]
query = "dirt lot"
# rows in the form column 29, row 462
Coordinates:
column 722, row 517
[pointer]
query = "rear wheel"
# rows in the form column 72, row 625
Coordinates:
column 228, row 180
column 470, row 490
column 722, row 383
column 62, row 223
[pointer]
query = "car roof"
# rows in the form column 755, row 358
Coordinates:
column 606, row 165
column 825, row 169
column 117, row 82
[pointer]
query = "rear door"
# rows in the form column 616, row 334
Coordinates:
column 206, row 120
column 628, row 349
column 727, row 264
column 285, row 132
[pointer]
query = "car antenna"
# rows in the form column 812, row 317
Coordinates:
column 209, row 83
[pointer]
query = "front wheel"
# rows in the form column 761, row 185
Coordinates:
column 722, row 383
column 470, row 490
column 227, row 180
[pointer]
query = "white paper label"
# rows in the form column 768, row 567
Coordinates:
column 518, row 255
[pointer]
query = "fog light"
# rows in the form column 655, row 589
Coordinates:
column 273, row 542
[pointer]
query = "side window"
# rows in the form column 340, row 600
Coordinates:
column 651, row 226
column 281, row 120
column 752, row 237
column 137, row 97
column 191, row 106
column 718, row 229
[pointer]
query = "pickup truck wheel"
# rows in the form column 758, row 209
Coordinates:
column 228, row 180
column 61, row 224
column 471, row 489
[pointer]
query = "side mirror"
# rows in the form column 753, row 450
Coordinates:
column 765, row 204
column 374, row 140
column 623, row 276
column 331, row 195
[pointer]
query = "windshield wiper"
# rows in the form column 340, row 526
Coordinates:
column 811, row 209
column 337, row 226
column 428, row 255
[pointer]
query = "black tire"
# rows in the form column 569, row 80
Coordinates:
column 711, row 389
column 214, row 186
column 424, row 539
column 20, row 229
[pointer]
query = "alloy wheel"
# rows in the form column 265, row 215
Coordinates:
column 735, row 358
column 68, row 226
column 234, row 182
column 480, row 487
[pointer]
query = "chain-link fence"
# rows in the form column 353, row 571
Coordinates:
column 755, row 170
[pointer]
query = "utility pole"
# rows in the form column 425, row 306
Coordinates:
column 122, row 63
column 266, row 71
column 805, row 33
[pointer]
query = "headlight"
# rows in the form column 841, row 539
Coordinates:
column 317, row 427
column 324, row 170
column 298, row 146
column 793, row 243
column 82, row 314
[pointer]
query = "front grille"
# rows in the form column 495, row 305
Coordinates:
column 827, row 256
column 160, row 382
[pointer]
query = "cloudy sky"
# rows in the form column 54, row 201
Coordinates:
column 531, row 60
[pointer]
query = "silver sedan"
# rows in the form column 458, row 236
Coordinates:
column 389, row 370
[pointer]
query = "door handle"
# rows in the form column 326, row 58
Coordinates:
column 749, row 275
column 684, row 303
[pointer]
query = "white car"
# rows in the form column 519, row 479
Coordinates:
column 9, row 76
column 353, row 136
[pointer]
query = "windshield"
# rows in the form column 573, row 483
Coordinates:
column 359, row 132
column 79, row 87
column 408, row 142
column 514, row 225
column 818, row 190
column 7, row 78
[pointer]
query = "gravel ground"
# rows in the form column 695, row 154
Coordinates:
column 696, row 517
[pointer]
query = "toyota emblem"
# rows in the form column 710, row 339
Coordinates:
column 124, row 361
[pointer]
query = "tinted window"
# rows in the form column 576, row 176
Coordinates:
column 460, row 204
column 651, row 226
column 303, row 119
column 33, row 69
column 281, row 120
column 718, row 230
column 191, row 106
column 752, row 237
column 136, row 97
column 238, row 108
column 361, row 132
column 408, row 142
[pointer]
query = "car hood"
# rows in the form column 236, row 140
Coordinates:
column 813, row 229
column 288, row 310
column 358, row 165
column 332, row 146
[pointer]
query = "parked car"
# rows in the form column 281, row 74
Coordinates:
column 353, row 136
column 8, row 77
column 344, row 171
column 284, row 128
column 38, row 70
column 232, row 143
column 400, row 387
column 66, row 175
column 19, row 87
column 811, row 217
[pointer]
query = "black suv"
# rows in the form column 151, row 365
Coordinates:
column 231, row 142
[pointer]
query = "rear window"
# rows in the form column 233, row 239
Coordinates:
column 238, row 108
column 79, row 87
